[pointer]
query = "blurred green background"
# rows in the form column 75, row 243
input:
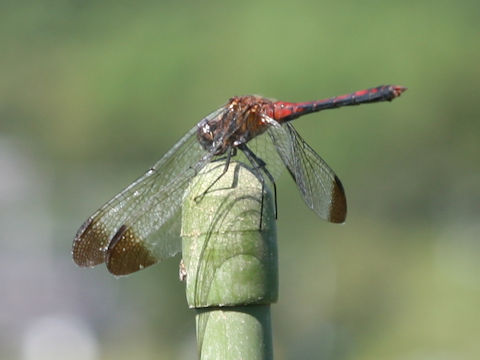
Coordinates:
column 93, row 93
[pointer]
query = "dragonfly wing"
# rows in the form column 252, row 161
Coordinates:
column 320, row 187
column 139, row 226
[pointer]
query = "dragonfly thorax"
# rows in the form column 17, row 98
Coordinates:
column 242, row 120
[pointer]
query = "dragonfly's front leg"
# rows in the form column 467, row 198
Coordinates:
column 231, row 151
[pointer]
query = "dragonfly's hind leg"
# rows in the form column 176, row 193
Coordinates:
column 259, row 164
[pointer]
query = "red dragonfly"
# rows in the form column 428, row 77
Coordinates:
column 140, row 226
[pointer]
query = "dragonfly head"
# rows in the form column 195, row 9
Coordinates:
column 210, row 135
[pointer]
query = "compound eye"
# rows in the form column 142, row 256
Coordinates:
column 205, row 136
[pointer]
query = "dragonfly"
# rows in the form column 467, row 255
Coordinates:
column 140, row 226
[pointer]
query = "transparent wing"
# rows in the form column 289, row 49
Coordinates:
column 320, row 187
column 263, row 147
column 140, row 226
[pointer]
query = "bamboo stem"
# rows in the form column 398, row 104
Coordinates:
column 230, row 262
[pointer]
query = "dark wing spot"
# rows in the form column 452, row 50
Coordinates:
column 338, row 207
column 90, row 243
column 127, row 253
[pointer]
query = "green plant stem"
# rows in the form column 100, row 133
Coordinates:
column 231, row 262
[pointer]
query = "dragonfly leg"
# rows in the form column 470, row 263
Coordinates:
column 230, row 152
column 259, row 164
